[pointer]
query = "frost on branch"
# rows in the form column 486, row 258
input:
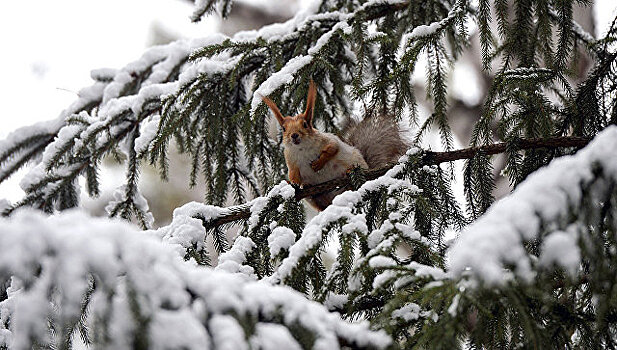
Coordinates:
column 76, row 276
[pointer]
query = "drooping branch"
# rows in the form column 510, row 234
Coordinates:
column 241, row 212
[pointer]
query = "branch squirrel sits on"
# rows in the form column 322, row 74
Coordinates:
column 314, row 157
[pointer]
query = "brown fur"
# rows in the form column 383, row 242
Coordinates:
column 301, row 124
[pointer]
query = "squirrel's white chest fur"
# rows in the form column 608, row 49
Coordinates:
column 303, row 154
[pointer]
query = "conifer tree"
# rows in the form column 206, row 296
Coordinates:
column 533, row 270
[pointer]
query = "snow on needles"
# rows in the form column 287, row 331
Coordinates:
column 65, row 252
column 156, row 66
column 548, row 195
column 341, row 209
column 11, row 145
column 280, row 78
column 428, row 29
column 185, row 230
column 280, row 239
column 257, row 205
column 231, row 261
column 288, row 72
column 561, row 248
column 140, row 201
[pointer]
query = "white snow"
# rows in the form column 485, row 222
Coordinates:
column 409, row 312
column 188, row 333
column 280, row 239
column 427, row 30
column 335, row 301
column 62, row 252
column 161, row 60
column 453, row 308
column 291, row 68
column 227, row 334
column 4, row 204
column 147, row 133
column 140, row 201
column 273, row 337
column 278, row 79
column 377, row 236
column 547, row 195
column 86, row 96
column 185, row 231
column 427, row 271
column 561, row 248
column 257, row 205
column 380, row 280
column 277, row 31
column 232, row 260
column 409, row 232
column 381, row 261
column 208, row 212
column 325, row 38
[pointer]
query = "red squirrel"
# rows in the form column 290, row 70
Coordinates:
column 314, row 157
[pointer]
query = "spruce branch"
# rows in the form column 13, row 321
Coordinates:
column 205, row 97
column 242, row 212
column 111, row 282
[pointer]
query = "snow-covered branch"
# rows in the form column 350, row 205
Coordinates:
column 341, row 211
column 118, row 286
column 242, row 212
column 540, row 208
column 28, row 142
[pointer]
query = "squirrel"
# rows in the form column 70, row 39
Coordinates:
column 313, row 157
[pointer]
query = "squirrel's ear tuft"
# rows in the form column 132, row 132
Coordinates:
column 275, row 110
column 310, row 103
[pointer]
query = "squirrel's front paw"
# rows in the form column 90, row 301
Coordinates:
column 316, row 165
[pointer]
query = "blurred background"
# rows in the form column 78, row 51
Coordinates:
column 50, row 47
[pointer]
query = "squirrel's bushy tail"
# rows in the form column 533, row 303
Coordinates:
column 380, row 141
column 378, row 138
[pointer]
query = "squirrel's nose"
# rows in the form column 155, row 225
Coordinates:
column 294, row 136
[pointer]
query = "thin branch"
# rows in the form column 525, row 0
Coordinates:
column 242, row 211
column 522, row 144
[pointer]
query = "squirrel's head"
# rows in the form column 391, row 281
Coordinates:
column 300, row 127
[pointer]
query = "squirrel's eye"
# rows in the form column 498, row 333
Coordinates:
column 305, row 124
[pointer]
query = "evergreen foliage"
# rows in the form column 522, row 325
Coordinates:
column 535, row 270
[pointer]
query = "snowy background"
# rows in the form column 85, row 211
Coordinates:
column 42, row 70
